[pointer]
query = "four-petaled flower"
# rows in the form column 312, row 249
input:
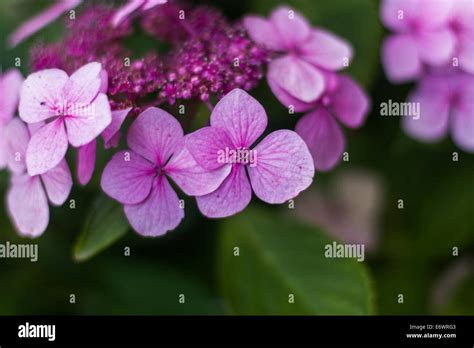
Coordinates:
column 138, row 178
column 283, row 168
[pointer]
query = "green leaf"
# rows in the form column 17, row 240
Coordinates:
column 279, row 256
column 105, row 225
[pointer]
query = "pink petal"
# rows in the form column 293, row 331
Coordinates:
column 124, row 11
column 40, row 94
column 58, row 183
column 155, row 135
column 46, row 148
column 104, row 81
column 436, row 47
column 296, row 77
column 149, row 4
column 3, row 148
column 400, row 58
column 17, row 138
column 326, row 50
column 291, row 26
column 28, row 206
column 230, row 198
column 10, row 84
column 466, row 52
column 82, row 129
column 241, row 116
column 284, row 167
column 287, row 100
column 128, row 178
column 462, row 124
column 41, row 20
column 350, row 103
column 263, row 32
column 159, row 213
column 86, row 162
column 193, row 179
column 393, row 13
column 113, row 130
column 323, row 136
column 84, row 84
column 205, row 145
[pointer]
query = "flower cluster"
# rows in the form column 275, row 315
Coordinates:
column 433, row 43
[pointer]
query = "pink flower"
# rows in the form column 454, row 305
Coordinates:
column 76, row 110
column 10, row 84
column 138, row 178
column 422, row 37
column 27, row 196
column 306, row 52
column 279, row 167
column 445, row 104
column 41, row 20
column 133, row 5
column 461, row 22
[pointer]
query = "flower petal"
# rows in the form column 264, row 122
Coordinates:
column 46, row 148
column 86, row 162
column 28, row 206
column 159, row 213
column 205, row 145
column 350, row 103
column 124, row 11
column 287, row 100
column 40, row 94
column 466, row 52
column 3, row 148
column 193, row 179
column 283, row 169
column 241, row 116
column 230, row 198
column 82, row 129
column 463, row 115
column 84, row 84
column 149, row 4
column 296, row 77
column 400, row 58
column 17, row 138
column 436, row 47
column 292, row 27
column 58, row 183
column 111, row 132
column 155, row 135
column 323, row 136
column 327, row 50
column 263, row 32
column 10, row 85
column 128, row 178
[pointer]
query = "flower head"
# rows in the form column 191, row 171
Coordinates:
column 74, row 108
column 283, row 166
column 137, row 178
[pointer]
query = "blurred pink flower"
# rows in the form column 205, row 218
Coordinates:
column 41, row 20
column 132, row 6
column 137, row 178
column 76, row 110
column 422, row 37
column 306, row 53
column 283, row 166
column 446, row 103
column 27, row 196
column 10, row 84
column 461, row 21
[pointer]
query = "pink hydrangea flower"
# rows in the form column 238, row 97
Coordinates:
column 132, row 6
column 10, row 84
column 75, row 109
column 41, row 20
column 306, row 53
column 27, row 196
column 422, row 37
column 278, row 168
column 445, row 104
column 461, row 22
column 137, row 178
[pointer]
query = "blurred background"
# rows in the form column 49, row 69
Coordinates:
column 268, row 259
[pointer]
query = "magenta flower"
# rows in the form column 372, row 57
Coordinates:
column 10, row 84
column 461, row 22
column 279, row 167
column 75, row 109
column 27, row 196
column 445, row 103
column 307, row 53
column 138, row 178
column 133, row 5
column 41, row 20
column 422, row 37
